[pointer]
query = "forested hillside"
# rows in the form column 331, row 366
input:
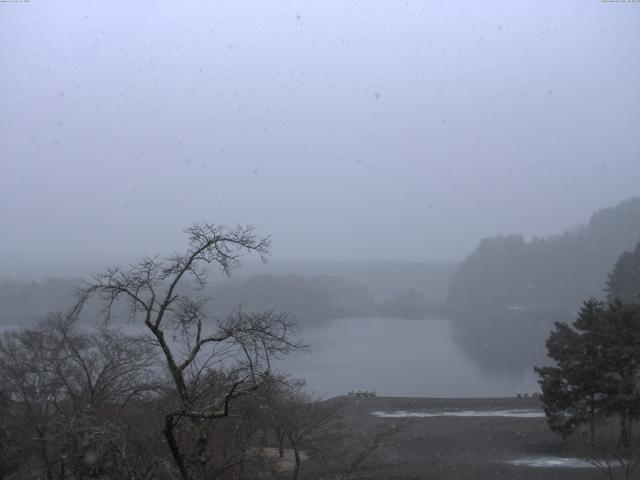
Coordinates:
column 309, row 290
column 23, row 302
column 306, row 298
column 559, row 271
column 383, row 280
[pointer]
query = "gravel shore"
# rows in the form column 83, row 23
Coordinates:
column 471, row 438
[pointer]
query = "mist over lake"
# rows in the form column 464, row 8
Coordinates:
column 395, row 357
column 320, row 240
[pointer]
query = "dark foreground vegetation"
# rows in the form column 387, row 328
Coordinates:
column 596, row 373
column 192, row 397
column 78, row 404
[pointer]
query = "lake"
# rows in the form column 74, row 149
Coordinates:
column 394, row 357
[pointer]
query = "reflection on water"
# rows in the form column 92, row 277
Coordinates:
column 395, row 357
column 506, row 341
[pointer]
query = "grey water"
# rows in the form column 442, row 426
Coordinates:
column 395, row 357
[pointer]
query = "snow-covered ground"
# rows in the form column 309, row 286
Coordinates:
column 521, row 413
column 566, row 462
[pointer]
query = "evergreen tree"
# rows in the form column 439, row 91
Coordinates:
column 597, row 369
column 559, row 401
column 624, row 280
column 573, row 392
column 619, row 338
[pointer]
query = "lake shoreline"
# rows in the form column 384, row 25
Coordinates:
column 471, row 447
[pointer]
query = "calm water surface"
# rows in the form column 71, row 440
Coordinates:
column 393, row 357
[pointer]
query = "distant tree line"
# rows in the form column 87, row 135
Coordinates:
column 560, row 271
column 507, row 294
column 308, row 299
column 410, row 305
column 25, row 302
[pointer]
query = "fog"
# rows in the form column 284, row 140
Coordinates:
column 405, row 358
column 376, row 143
column 347, row 131
column 319, row 239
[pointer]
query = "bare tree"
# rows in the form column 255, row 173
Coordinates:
column 67, row 387
column 103, row 372
column 613, row 457
column 168, row 295
column 97, row 368
column 360, row 462
column 11, row 435
column 299, row 420
column 30, row 381
column 323, row 434
column 616, row 463
column 311, row 420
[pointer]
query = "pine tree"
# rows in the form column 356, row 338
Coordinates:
column 620, row 346
column 559, row 401
column 573, row 392
column 597, row 369
column 624, row 281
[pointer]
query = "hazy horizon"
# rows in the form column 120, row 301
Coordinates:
column 372, row 131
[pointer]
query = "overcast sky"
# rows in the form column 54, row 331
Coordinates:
column 346, row 130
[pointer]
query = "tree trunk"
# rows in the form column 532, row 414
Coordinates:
column 44, row 453
column 280, row 437
column 296, row 468
column 592, row 422
column 201, row 446
column 174, row 448
column 624, row 429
